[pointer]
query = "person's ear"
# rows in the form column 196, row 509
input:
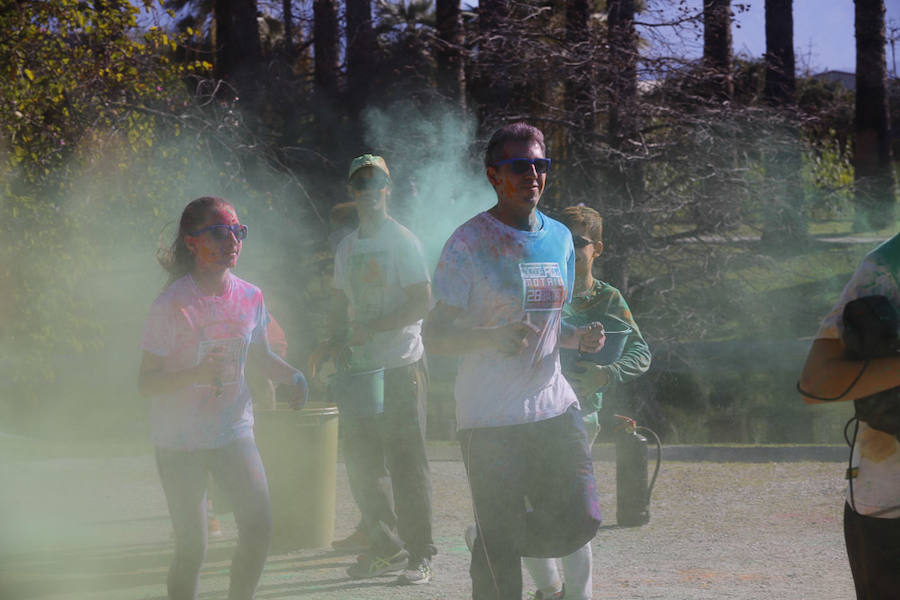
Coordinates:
column 598, row 248
column 190, row 242
column 493, row 176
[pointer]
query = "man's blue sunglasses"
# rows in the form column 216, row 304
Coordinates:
column 220, row 232
column 523, row 165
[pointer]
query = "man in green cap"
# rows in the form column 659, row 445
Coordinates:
column 382, row 293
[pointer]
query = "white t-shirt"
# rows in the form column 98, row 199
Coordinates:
column 498, row 275
column 372, row 272
column 876, row 489
column 183, row 325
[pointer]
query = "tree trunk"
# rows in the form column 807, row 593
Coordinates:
column 717, row 56
column 781, row 83
column 360, row 54
column 288, row 15
column 785, row 227
column 325, row 46
column 873, row 174
column 238, row 51
column 623, row 54
column 491, row 89
column 579, row 177
column 626, row 173
column 451, row 80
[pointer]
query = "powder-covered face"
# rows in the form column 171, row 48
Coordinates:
column 518, row 193
column 369, row 189
column 211, row 253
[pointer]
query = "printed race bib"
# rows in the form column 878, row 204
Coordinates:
column 543, row 286
column 231, row 349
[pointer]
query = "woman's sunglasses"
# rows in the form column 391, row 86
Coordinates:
column 373, row 183
column 220, row 232
column 523, row 165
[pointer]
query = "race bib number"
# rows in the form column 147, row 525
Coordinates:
column 543, row 286
column 231, row 349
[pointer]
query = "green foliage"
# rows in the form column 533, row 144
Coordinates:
column 85, row 94
column 73, row 74
column 828, row 175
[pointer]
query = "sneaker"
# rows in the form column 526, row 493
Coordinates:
column 213, row 528
column 369, row 565
column 560, row 595
column 418, row 571
column 470, row 535
column 356, row 541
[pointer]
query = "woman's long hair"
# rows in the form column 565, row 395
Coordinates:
column 177, row 260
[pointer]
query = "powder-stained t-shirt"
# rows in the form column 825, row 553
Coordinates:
column 183, row 326
column 499, row 275
column 876, row 489
column 372, row 272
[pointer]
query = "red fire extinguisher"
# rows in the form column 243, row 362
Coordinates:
column 632, row 488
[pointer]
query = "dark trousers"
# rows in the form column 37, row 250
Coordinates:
column 873, row 547
column 534, row 494
column 388, row 469
column 238, row 470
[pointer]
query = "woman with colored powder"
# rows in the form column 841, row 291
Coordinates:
column 201, row 331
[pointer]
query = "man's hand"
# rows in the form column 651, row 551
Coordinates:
column 336, row 352
column 513, row 338
column 592, row 337
column 587, row 377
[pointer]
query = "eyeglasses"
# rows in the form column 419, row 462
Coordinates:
column 523, row 165
column 580, row 241
column 364, row 185
column 220, row 232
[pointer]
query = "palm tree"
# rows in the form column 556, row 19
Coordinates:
column 325, row 46
column 405, row 37
column 717, row 45
column 238, row 50
column 451, row 78
column 625, row 176
column 784, row 225
column 360, row 53
column 781, row 83
column 873, row 174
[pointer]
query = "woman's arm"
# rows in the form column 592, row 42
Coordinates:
column 273, row 367
column 153, row 381
column 828, row 374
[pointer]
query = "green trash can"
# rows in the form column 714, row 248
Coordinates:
column 299, row 451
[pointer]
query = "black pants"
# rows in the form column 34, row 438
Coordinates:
column 873, row 547
column 534, row 494
column 388, row 468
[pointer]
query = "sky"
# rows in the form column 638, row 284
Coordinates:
column 823, row 33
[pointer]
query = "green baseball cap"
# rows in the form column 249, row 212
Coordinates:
column 368, row 160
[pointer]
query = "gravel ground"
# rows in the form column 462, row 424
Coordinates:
column 98, row 529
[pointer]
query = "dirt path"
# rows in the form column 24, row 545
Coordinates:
column 87, row 528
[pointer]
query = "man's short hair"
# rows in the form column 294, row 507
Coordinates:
column 586, row 217
column 515, row 132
